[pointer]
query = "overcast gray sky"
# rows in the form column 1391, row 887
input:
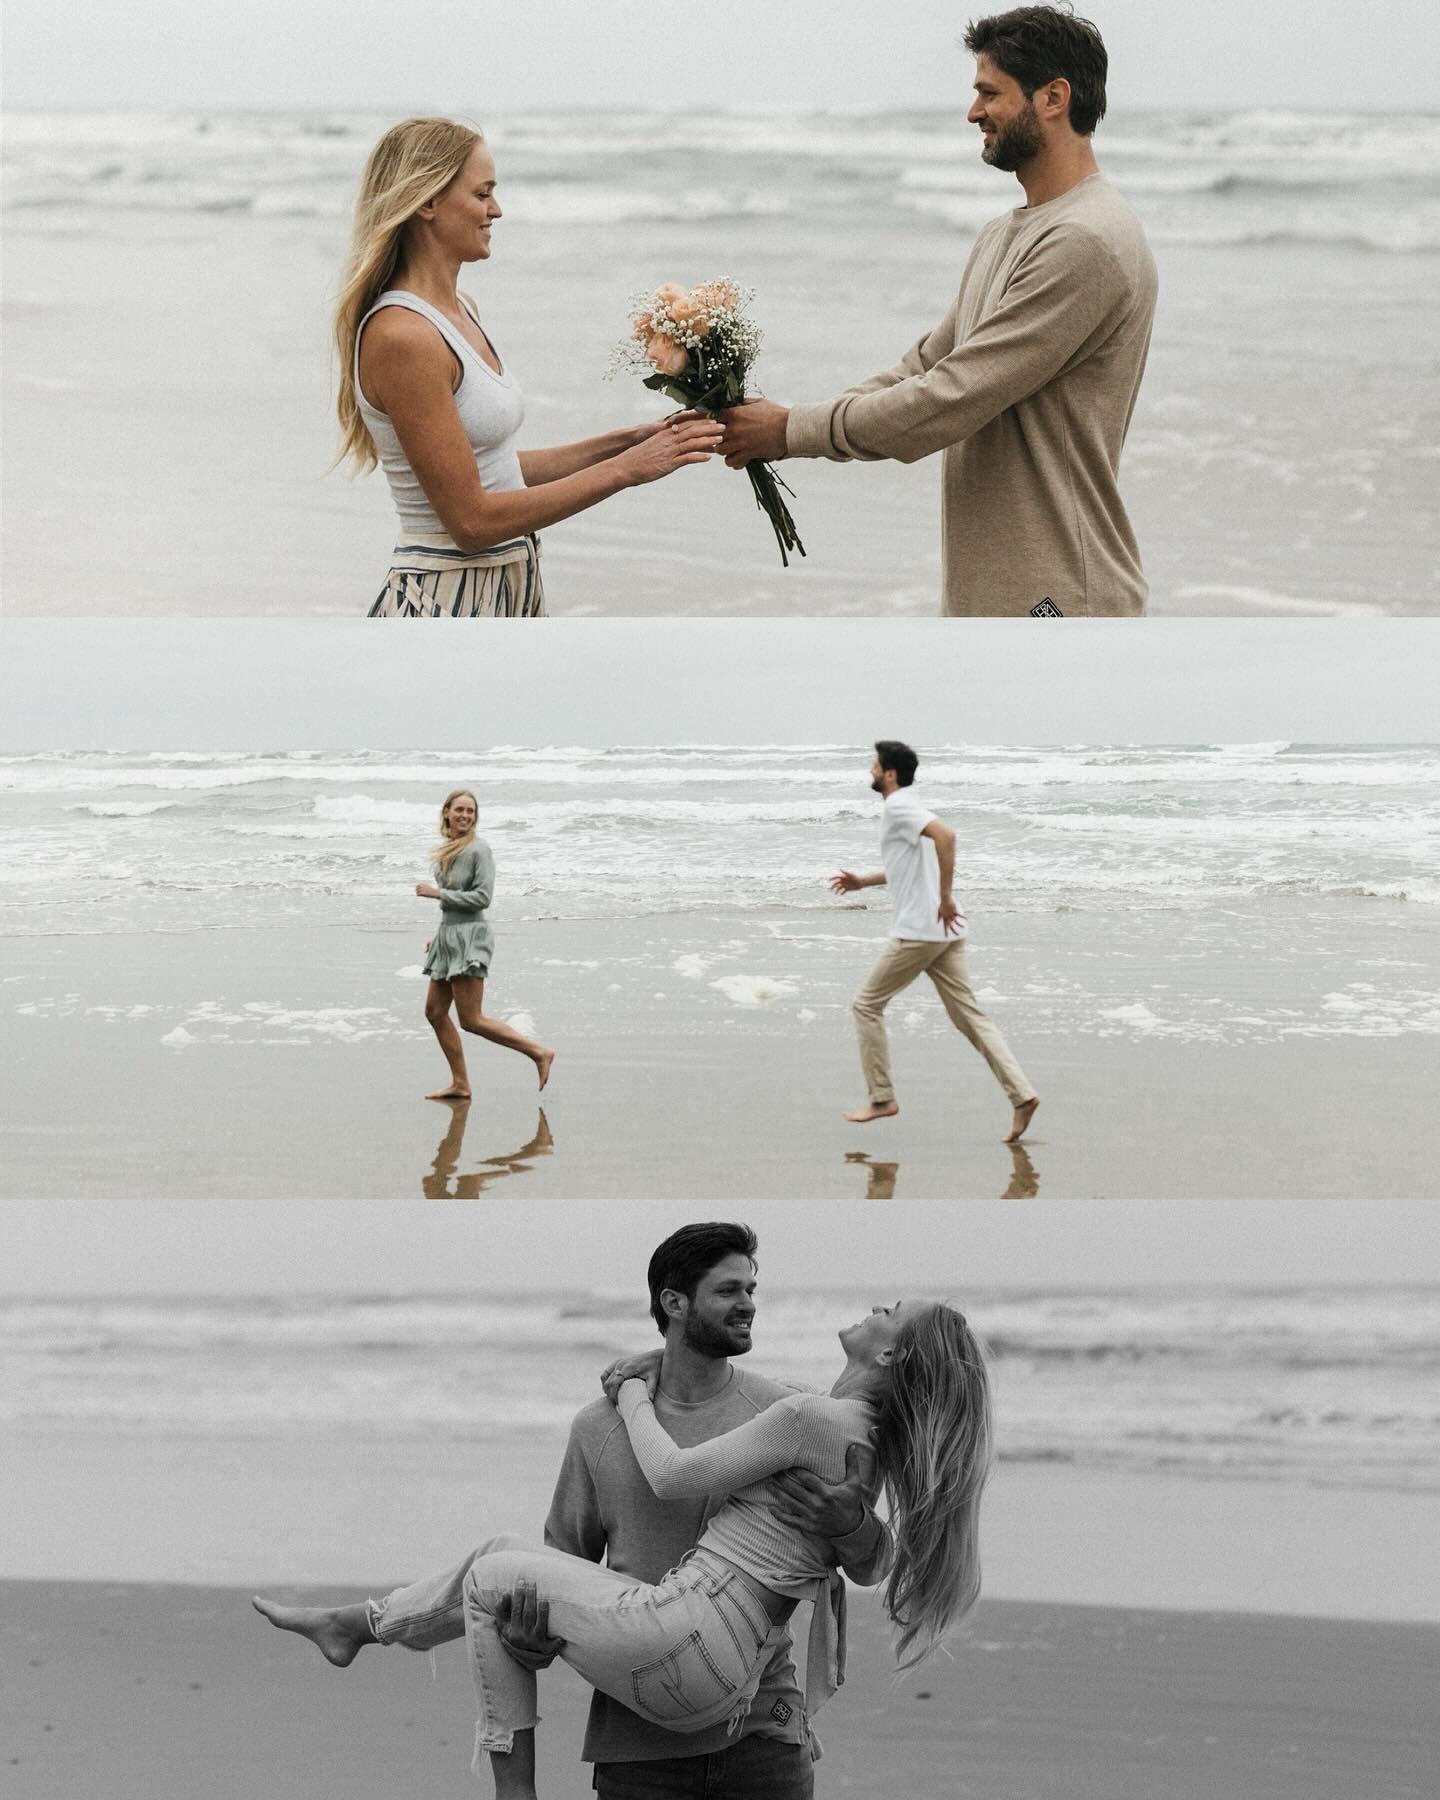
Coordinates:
column 465, row 55
column 236, row 684
column 154, row 1246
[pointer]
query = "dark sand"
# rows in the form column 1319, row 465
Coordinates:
column 140, row 1692
column 662, row 1089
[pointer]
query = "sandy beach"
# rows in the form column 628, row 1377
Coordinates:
column 146, row 1670
column 142, row 1691
column 669, row 1090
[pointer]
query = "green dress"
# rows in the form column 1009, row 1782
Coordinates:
column 464, row 940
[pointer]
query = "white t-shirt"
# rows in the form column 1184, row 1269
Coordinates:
column 912, row 872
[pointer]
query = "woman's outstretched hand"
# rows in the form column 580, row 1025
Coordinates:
column 679, row 440
column 427, row 890
column 644, row 1368
column 637, row 434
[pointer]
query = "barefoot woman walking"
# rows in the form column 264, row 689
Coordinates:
column 458, row 958
column 424, row 394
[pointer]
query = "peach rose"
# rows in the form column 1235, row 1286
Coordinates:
column 668, row 357
column 666, row 296
column 689, row 311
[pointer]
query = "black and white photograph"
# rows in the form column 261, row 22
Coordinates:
column 1189, row 1453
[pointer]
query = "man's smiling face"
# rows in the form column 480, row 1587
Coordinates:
column 719, row 1318
column 1006, row 116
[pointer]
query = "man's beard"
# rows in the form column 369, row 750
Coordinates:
column 877, row 787
column 1016, row 142
column 716, row 1341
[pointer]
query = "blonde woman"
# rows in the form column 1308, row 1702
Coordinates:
column 424, row 393
column 457, row 958
column 687, row 1653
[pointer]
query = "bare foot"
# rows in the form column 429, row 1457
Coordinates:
column 1020, row 1124
column 885, row 1109
column 542, row 1066
column 453, row 1092
column 339, row 1633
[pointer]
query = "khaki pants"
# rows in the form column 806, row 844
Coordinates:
column 901, row 961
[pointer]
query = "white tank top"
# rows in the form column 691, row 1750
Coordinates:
column 491, row 409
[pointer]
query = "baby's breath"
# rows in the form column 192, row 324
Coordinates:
column 697, row 347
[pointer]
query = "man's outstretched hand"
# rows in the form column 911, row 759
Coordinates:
column 754, row 432
column 827, row 1510
column 523, row 1619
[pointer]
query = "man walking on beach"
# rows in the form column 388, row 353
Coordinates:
column 1028, row 383
column 927, row 936
column 702, row 1297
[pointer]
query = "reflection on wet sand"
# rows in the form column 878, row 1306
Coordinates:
column 881, row 1177
column 1024, row 1176
column 444, row 1182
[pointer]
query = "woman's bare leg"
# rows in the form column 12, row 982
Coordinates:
column 515, row 1774
column 437, row 1015
column 339, row 1633
column 470, row 1007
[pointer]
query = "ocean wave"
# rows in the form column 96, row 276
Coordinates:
column 1329, row 1386
column 1399, row 233
column 1099, row 766
column 1201, row 177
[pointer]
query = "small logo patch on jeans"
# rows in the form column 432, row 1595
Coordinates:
column 780, row 1712
column 1047, row 609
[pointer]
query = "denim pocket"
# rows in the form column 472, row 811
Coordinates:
column 686, row 1681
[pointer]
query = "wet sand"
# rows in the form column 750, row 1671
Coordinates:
column 253, row 1507
column 147, row 1691
column 664, row 1089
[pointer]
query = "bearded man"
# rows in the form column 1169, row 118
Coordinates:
column 1028, row 383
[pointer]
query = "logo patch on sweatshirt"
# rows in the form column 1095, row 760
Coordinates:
column 1047, row 609
column 780, row 1712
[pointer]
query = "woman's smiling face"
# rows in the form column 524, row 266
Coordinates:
column 460, row 815
column 462, row 214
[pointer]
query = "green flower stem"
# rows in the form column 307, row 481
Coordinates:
column 713, row 396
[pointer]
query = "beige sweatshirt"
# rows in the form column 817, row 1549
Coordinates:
column 1027, row 384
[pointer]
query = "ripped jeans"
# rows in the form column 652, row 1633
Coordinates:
column 685, row 1653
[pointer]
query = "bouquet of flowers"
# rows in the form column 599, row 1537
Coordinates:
column 699, row 345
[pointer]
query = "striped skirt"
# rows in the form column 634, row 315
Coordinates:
column 430, row 579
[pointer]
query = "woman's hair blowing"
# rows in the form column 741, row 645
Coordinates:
column 414, row 161
column 933, row 1442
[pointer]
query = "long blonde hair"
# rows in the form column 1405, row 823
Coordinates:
column 934, row 1444
column 414, row 161
column 446, row 853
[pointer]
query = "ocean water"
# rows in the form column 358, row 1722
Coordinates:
column 1223, row 894
column 1208, row 177
column 1328, row 1387
column 1282, row 458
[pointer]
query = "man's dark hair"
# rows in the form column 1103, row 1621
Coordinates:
column 688, row 1255
column 890, row 753
column 1036, row 44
